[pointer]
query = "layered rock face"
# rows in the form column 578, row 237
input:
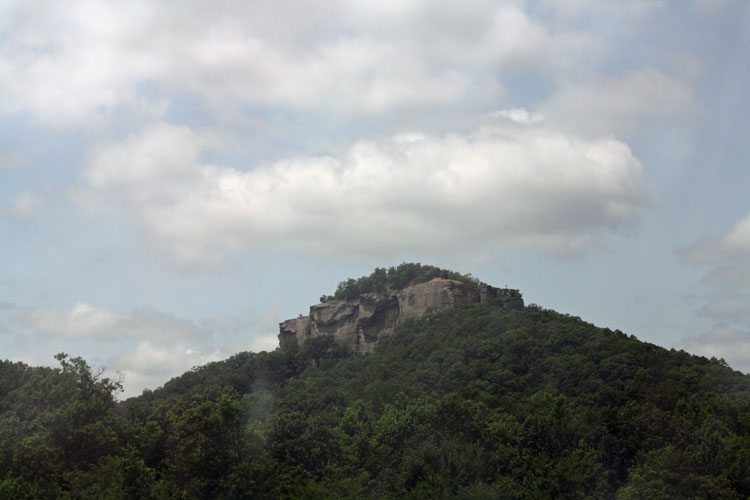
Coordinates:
column 360, row 323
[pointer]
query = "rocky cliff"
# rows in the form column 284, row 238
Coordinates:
column 361, row 322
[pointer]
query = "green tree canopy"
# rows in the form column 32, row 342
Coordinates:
column 395, row 278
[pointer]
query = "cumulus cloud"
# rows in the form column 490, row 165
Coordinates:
column 616, row 104
column 506, row 186
column 85, row 60
column 25, row 205
column 72, row 63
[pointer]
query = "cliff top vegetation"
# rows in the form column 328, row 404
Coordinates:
column 395, row 278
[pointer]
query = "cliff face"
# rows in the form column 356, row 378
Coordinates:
column 360, row 323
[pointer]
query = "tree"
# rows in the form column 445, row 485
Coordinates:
column 58, row 425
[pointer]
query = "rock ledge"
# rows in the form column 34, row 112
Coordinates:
column 361, row 322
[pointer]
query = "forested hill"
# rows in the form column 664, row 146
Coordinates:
column 474, row 403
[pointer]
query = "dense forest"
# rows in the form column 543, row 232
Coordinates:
column 472, row 403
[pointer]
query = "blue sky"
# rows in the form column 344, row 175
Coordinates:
column 177, row 178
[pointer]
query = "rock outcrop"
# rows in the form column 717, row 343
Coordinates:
column 361, row 322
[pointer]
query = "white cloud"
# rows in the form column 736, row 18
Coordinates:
column 737, row 240
column 82, row 320
column 150, row 359
column 165, row 152
column 25, row 205
column 150, row 365
column 266, row 342
column 73, row 63
column 83, row 61
column 153, row 346
column 519, row 115
column 89, row 322
column 617, row 104
column 256, row 343
column 505, row 186
column 153, row 362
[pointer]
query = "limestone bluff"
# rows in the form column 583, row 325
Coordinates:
column 362, row 321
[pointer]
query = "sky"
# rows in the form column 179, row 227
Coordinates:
column 176, row 178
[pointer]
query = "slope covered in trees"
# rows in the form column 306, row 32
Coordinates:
column 473, row 403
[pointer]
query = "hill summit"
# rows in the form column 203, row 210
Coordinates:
column 359, row 321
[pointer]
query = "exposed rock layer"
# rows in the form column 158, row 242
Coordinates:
column 360, row 323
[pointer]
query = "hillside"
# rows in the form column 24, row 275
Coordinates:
column 474, row 402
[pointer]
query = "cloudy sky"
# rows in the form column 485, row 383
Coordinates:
column 178, row 177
